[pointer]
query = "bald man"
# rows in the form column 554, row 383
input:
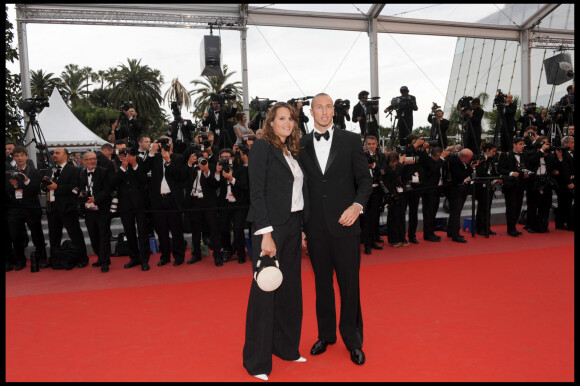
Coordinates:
column 460, row 168
column 62, row 207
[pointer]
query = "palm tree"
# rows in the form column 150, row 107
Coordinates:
column 112, row 76
column 72, row 84
column 101, row 77
column 42, row 84
column 212, row 85
column 141, row 85
column 88, row 73
column 177, row 93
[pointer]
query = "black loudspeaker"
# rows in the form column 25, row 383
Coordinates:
column 211, row 56
column 559, row 69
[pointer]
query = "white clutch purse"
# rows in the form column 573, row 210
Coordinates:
column 268, row 275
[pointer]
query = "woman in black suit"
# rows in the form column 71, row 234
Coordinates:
column 277, row 205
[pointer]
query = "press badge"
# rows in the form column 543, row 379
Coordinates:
column 18, row 193
column 415, row 178
column 51, row 196
column 399, row 189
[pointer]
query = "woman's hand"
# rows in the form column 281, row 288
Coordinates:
column 268, row 246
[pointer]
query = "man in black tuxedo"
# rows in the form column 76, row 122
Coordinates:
column 472, row 134
column 23, row 207
column 483, row 192
column 215, row 117
column 95, row 189
column 509, row 114
column 167, row 200
column 62, row 206
column 180, row 132
column 460, row 168
column 432, row 164
column 406, row 104
column 200, row 190
column 512, row 167
column 528, row 118
column 562, row 166
column 439, row 127
column 361, row 111
column 131, row 186
column 370, row 220
column 339, row 185
column 233, row 185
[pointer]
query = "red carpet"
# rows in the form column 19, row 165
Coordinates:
column 489, row 310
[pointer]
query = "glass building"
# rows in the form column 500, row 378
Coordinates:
column 486, row 65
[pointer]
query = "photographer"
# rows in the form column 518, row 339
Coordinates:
column 528, row 118
column 94, row 193
column 216, row 117
column 302, row 119
column 544, row 123
column 566, row 118
column 413, row 173
column 207, row 140
column 515, row 177
column 432, row 165
column 10, row 162
column 166, row 197
column 460, row 171
column 472, row 116
column 179, row 130
column 131, row 185
column 233, row 192
column 539, row 193
column 62, row 206
column 144, row 142
column 200, row 188
column 370, row 221
column 506, row 110
column 105, row 157
column 404, row 105
column 439, row 127
column 341, row 112
column 563, row 170
column 23, row 207
column 485, row 169
column 530, row 136
column 396, row 200
column 364, row 113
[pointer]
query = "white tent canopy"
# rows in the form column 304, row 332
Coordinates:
column 61, row 127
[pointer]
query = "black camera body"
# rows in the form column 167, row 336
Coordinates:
column 82, row 195
column 499, row 98
column 125, row 106
column 15, row 175
column 33, row 105
column 164, row 143
column 370, row 157
column 222, row 97
column 305, row 101
column 402, row 103
column 465, row 103
column 556, row 109
column 45, row 182
column 435, row 107
column 133, row 151
column 529, row 109
column 261, row 104
column 226, row 164
column 481, row 157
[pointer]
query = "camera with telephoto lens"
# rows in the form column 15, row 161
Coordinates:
column 82, row 195
column 529, row 109
column 226, row 164
column 133, row 151
column 125, row 106
column 33, row 105
column 431, row 142
column 373, row 103
column 556, row 109
column 481, row 157
column 402, row 103
column 205, row 141
column 222, row 97
column 15, row 175
column 175, row 110
column 370, row 157
column 465, row 103
column 305, row 101
column 435, row 107
column 196, row 148
column 261, row 104
column 499, row 98
column 164, row 143
column 341, row 105
column 558, row 148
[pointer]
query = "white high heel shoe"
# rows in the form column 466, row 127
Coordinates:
column 263, row 377
column 301, row 359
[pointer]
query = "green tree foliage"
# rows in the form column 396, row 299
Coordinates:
column 42, row 84
column 13, row 93
column 213, row 85
column 72, row 83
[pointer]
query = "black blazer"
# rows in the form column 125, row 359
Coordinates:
column 209, row 184
column 358, row 111
column 101, row 189
column 345, row 181
column 64, row 199
column 271, row 182
column 224, row 114
column 173, row 176
column 507, row 164
column 443, row 126
column 29, row 192
column 431, row 168
column 131, row 186
column 186, row 127
column 458, row 170
column 239, row 189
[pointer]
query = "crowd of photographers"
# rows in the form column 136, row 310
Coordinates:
column 195, row 180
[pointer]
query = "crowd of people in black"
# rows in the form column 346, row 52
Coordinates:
column 194, row 180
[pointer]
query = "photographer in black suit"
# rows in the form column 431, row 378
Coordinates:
column 413, row 174
column 233, row 192
column 484, row 197
column 364, row 110
column 94, row 192
column 200, row 188
column 179, row 130
column 62, row 206
column 404, row 105
column 472, row 134
column 370, row 220
column 167, row 200
column 341, row 112
column 539, row 193
column 563, row 170
column 216, row 116
column 528, row 118
column 397, row 201
column 23, row 207
column 278, row 206
column 440, row 126
column 339, row 184
column 432, row 164
column 515, row 176
column 131, row 186
column 509, row 114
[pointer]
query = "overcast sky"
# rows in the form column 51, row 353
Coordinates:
column 311, row 56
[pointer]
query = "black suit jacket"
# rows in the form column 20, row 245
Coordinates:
column 271, row 182
column 64, row 199
column 239, row 189
column 186, row 127
column 358, row 111
column 345, row 181
column 443, row 126
column 131, row 186
column 209, row 185
column 458, row 170
column 431, row 168
column 102, row 187
column 173, row 176
column 507, row 164
column 29, row 192
column 214, row 124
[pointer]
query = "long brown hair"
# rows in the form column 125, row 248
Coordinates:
column 270, row 136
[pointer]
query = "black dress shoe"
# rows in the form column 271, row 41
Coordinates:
column 432, row 238
column 530, row 230
column 413, row 240
column 241, row 260
column 513, row 234
column 518, row 233
column 145, row 267
column 367, row 250
column 176, row 263
column 44, row 264
column 379, row 240
column 319, row 347
column 492, row 233
column 194, row 259
column 97, row 264
column 376, row 246
column 459, row 239
column 225, row 255
column 19, row 266
column 162, row 263
column 357, row 356
column 83, row 264
column 131, row 264
column 104, row 268
column 218, row 262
